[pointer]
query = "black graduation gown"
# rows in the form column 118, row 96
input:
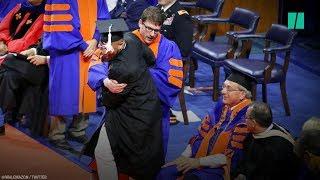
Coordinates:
column 268, row 158
column 24, row 89
column 133, row 120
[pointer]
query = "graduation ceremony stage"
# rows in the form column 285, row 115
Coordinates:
column 23, row 156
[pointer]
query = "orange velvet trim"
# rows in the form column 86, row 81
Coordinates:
column 205, row 143
column 57, row 28
column 87, row 97
column 235, row 109
column 88, row 17
column 154, row 46
column 176, row 73
column 176, row 62
column 58, row 17
column 221, row 143
column 57, row 7
column 175, row 81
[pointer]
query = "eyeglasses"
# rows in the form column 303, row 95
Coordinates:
column 229, row 89
column 150, row 29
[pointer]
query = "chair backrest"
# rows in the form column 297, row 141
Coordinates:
column 245, row 19
column 214, row 6
column 280, row 34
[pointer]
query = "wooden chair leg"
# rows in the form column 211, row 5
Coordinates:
column 191, row 73
column 182, row 100
column 183, row 107
column 216, row 75
column 254, row 91
column 284, row 97
column 264, row 93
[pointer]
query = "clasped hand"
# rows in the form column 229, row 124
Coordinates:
column 114, row 86
column 184, row 164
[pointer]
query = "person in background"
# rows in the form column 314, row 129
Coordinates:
column 71, row 37
column 307, row 148
column 268, row 149
column 312, row 123
column 178, row 28
column 218, row 145
column 22, row 27
column 23, row 87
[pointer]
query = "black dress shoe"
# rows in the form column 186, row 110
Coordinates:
column 61, row 144
column 2, row 130
column 80, row 139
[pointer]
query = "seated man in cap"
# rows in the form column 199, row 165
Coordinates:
column 132, row 134
column 268, row 149
column 218, row 144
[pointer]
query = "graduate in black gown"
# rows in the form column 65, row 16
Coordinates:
column 268, row 149
column 133, row 120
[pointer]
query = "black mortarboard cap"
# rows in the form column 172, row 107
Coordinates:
column 241, row 79
column 118, row 28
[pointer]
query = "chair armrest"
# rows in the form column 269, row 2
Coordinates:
column 277, row 49
column 201, row 16
column 211, row 20
column 185, row 4
column 242, row 35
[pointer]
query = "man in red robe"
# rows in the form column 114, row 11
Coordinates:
column 21, row 27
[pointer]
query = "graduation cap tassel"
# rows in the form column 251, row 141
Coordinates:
column 109, row 46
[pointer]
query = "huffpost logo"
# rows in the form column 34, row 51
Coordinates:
column 296, row 20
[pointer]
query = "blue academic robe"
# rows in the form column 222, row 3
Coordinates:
column 68, row 25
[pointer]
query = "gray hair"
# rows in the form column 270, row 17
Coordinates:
column 248, row 93
column 262, row 113
column 312, row 123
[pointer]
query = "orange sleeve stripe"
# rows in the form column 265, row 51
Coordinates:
column 176, row 73
column 238, row 138
column 57, row 28
column 175, row 81
column 58, row 17
column 236, row 145
column 57, row 7
column 176, row 62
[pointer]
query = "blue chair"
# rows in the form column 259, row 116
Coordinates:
column 214, row 53
column 268, row 70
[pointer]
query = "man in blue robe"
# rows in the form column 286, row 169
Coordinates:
column 70, row 36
